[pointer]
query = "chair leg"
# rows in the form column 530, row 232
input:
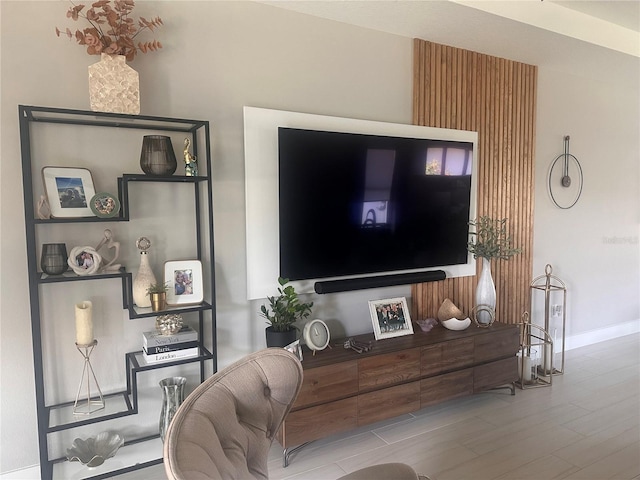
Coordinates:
column 286, row 453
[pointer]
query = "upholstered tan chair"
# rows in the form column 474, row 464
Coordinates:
column 225, row 427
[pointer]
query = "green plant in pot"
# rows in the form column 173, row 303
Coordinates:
column 158, row 294
column 490, row 240
column 282, row 312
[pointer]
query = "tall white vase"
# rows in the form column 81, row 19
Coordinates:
column 485, row 292
column 142, row 281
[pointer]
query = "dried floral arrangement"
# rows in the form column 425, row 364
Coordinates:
column 491, row 239
column 111, row 30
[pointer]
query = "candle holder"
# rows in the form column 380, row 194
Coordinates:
column 555, row 318
column 90, row 404
column 534, row 340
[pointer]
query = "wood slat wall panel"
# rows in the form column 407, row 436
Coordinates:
column 465, row 90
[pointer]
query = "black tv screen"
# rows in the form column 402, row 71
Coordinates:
column 354, row 204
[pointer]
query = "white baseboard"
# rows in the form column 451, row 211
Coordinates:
column 602, row 334
column 29, row 473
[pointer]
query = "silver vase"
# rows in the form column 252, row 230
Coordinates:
column 172, row 398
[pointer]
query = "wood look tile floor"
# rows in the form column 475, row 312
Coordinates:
column 583, row 427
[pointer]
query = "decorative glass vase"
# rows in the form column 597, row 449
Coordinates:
column 157, row 156
column 54, row 258
column 144, row 277
column 172, row 398
column 114, row 86
column 485, row 293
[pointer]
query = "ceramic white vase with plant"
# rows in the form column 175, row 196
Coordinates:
column 490, row 240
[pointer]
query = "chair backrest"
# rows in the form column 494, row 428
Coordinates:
column 225, row 427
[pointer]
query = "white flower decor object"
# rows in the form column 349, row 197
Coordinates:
column 84, row 260
column 456, row 324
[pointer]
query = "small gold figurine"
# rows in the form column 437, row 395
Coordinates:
column 190, row 164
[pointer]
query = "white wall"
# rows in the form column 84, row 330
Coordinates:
column 593, row 247
column 219, row 56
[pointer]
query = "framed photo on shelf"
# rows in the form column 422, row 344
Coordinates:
column 68, row 191
column 104, row 205
column 390, row 318
column 184, row 281
column 84, row 260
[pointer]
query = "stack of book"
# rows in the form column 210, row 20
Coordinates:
column 160, row 348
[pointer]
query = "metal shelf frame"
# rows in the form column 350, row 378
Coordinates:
column 200, row 135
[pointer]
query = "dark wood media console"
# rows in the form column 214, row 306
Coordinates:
column 343, row 390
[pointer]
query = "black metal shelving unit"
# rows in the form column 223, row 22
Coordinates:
column 55, row 418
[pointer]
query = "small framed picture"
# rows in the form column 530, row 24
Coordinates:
column 84, row 260
column 104, row 205
column 68, row 191
column 184, row 281
column 390, row 318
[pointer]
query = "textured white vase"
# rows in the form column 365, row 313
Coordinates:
column 142, row 281
column 485, row 292
column 114, row 86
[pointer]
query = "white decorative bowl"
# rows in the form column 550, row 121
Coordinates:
column 455, row 324
column 93, row 451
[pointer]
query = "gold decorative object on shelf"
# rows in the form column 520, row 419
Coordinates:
column 190, row 163
column 169, row 324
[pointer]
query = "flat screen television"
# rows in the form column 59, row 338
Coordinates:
column 331, row 198
column 354, row 204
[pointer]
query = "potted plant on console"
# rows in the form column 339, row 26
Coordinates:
column 282, row 313
column 491, row 240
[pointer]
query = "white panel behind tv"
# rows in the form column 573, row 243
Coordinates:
column 261, row 187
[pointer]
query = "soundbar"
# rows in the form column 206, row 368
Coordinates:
column 361, row 283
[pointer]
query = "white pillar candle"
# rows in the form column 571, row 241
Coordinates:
column 548, row 361
column 526, row 370
column 84, row 324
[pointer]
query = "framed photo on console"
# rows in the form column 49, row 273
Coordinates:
column 390, row 318
column 68, row 191
column 184, row 281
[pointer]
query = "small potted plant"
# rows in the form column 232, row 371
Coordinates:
column 491, row 240
column 282, row 313
column 158, row 294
